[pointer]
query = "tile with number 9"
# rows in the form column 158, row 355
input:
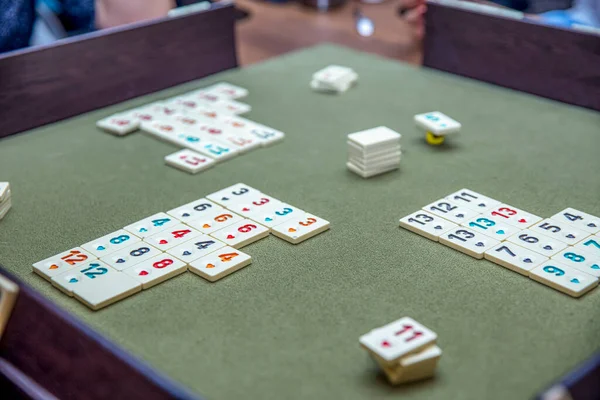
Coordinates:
column 563, row 278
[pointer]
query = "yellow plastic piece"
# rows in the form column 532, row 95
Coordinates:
column 433, row 139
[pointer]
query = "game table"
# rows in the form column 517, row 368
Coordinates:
column 287, row 326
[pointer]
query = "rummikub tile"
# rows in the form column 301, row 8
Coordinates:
column 110, row 243
column 228, row 90
column 560, row 231
column 219, row 264
column 172, row 237
column 192, row 250
column 473, row 200
column 590, row 244
column 513, row 216
column 267, row 135
column 255, row 205
column 515, row 257
column 69, row 280
column 156, row 270
column 130, row 256
column 189, row 161
column 451, row 211
column 241, row 233
column 297, row 230
column 579, row 220
column 580, row 259
column 467, row 241
column 194, row 210
column 119, row 124
column 564, row 278
column 238, row 193
column 491, row 226
column 537, row 242
column 215, row 220
column 437, row 123
column 426, row 224
column 151, row 225
column 62, row 262
column 277, row 214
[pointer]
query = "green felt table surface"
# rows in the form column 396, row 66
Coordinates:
column 288, row 325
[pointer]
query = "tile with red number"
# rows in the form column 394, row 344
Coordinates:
column 232, row 107
column 189, row 161
column 579, row 220
column 119, row 124
column 62, row 262
column 451, row 211
column 297, row 230
column 235, row 194
column 156, row 270
column 188, row 104
column 172, row 237
column 513, row 216
column 153, row 112
column 537, row 242
column 241, row 233
column 220, row 263
column 215, row 220
column 194, row 210
column 560, row 231
column 110, row 243
column 151, row 225
column 242, row 142
column 255, row 205
column 130, row 256
column 198, row 247
column 228, row 90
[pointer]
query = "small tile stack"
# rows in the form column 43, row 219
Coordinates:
column 5, row 202
column 333, row 79
column 404, row 349
column 373, row 151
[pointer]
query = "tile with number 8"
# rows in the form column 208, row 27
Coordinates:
column 194, row 210
column 582, row 260
column 467, row 241
column 241, row 233
column 151, row 225
column 196, row 248
column 492, row 227
column 62, row 262
column 156, row 270
column 215, row 220
column 426, row 224
column 110, row 243
column 451, row 211
column 513, row 216
column 514, row 257
column 579, row 220
column 299, row 229
column 130, row 256
column 560, row 231
column 177, row 234
column 473, row 200
column 563, row 278
column 219, row 264
column 537, row 242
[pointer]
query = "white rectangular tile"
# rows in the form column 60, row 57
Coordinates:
column 228, row 90
column 255, row 205
column 560, row 231
column 151, row 225
column 513, row 216
column 119, row 124
column 537, row 242
column 194, row 210
column 67, row 281
column 268, row 136
column 189, row 161
column 276, row 214
column 299, row 229
column 473, row 200
column 62, row 262
column 378, row 136
column 491, row 226
column 562, row 277
column 215, row 220
column 198, row 247
column 110, row 243
column 580, row 259
column 579, row 219
column 157, row 269
column 426, row 224
column 172, row 237
column 240, row 192
column 219, row 264
column 451, row 211
column 241, row 233
column 591, row 244
column 4, row 190
column 130, row 256
column 467, row 241
column 514, row 257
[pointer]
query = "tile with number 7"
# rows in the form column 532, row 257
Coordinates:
column 241, row 233
column 177, row 234
column 590, row 244
column 299, row 229
column 219, row 264
column 62, row 262
column 151, row 225
column 156, row 270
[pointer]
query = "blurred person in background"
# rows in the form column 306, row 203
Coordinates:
column 33, row 22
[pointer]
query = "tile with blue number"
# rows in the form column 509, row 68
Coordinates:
column 267, row 135
column 215, row 220
column 194, row 210
column 564, row 278
column 491, row 226
column 151, row 225
column 514, row 257
column 537, row 242
column 511, row 215
column 62, row 262
column 220, row 263
column 198, row 247
column 110, row 243
column 238, row 193
column 450, row 210
column 590, row 244
column 437, row 123
column 581, row 259
column 175, row 235
column 578, row 219
column 426, row 224
column 130, row 256
column 90, row 271
column 468, row 241
column 473, row 200
column 276, row 214
column 157, row 269
column 560, row 231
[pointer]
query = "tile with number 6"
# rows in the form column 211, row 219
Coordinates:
column 241, row 233
column 151, row 225
column 299, row 229
column 537, row 242
column 130, row 256
column 194, row 210
column 215, row 220
column 62, row 262
column 198, row 247
column 177, row 234
column 219, row 264
column 156, row 270
column 110, row 243
column 564, row 278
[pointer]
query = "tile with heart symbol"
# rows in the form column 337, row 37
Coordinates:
column 563, row 278
column 426, row 224
column 62, row 262
column 473, row 200
column 468, row 241
column 172, row 237
column 590, row 244
column 151, row 225
column 580, row 259
column 194, row 210
column 157, row 269
column 578, row 219
column 255, row 205
column 189, row 161
column 276, row 214
column 110, row 243
column 492, row 227
column 560, row 231
column 196, row 248
column 299, row 229
column 513, row 216
column 241, row 233
column 219, row 264
column 514, row 257
column 537, row 242
column 68, row 281
column 130, row 256
column 119, row 124
column 450, row 210
column 240, row 192
column 215, row 220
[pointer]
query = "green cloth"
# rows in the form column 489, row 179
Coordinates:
column 287, row 326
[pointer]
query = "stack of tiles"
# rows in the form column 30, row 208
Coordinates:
column 374, row 151
column 333, row 79
column 405, row 350
column 5, row 202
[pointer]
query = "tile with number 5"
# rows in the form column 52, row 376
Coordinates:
column 110, row 243
column 172, row 237
column 297, row 230
column 156, row 270
column 560, row 231
column 219, row 264
column 151, row 225
column 241, row 233
column 62, row 262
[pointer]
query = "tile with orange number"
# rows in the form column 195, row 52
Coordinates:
column 172, row 237
column 297, row 230
column 156, row 270
column 215, row 220
column 220, row 263
column 189, row 161
column 62, row 262
column 194, row 210
column 241, row 233
column 198, row 247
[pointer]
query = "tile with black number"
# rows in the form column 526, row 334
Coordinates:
column 537, row 242
column 492, row 227
column 560, row 231
column 110, row 243
column 578, row 219
column 590, row 244
column 564, row 278
column 156, row 270
column 513, row 216
column 62, row 262
column 198, row 247
column 194, row 210
column 151, row 225
column 426, row 224
column 130, row 256
column 240, row 192
column 473, row 200
column 172, row 237
column 241, row 233
column 276, row 214
column 299, row 229
column 468, row 241
column 215, row 220
column 581, row 259
column 219, row 264
column 514, row 257
column 451, row 211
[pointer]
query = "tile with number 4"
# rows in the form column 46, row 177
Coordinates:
column 513, row 216
column 563, row 278
column 467, row 241
column 62, row 262
column 189, row 161
column 215, row 220
column 297, row 230
column 579, row 220
column 172, row 237
column 241, row 233
column 130, row 256
column 515, row 257
column 580, row 259
column 198, row 247
column 151, row 225
column 220, row 263
column 560, row 231
column 473, row 200
column 110, row 243
column 537, row 242
column 426, row 224
column 156, row 270
column 451, row 211
column 276, row 214
column 590, row 244
column 240, row 192
column 491, row 227
column 194, row 210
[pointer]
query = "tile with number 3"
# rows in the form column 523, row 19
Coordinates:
column 299, row 229
column 467, row 241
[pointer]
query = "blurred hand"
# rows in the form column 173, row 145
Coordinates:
column 414, row 15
